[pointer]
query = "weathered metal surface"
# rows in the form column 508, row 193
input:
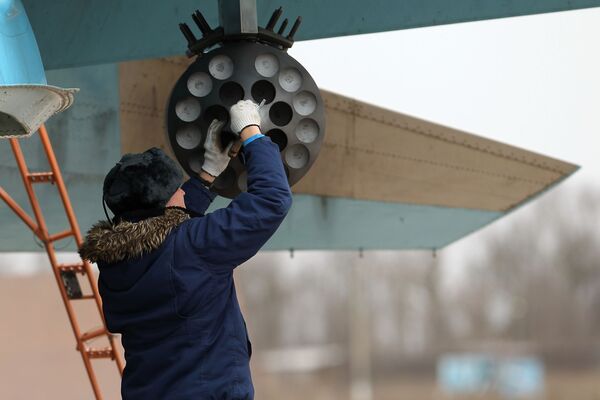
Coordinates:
column 370, row 153
column 292, row 111
column 84, row 32
column 383, row 180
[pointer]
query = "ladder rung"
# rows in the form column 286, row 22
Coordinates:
column 66, row 274
column 84, row 297
column 41, row 177
column 71, row 268
column 94, row 333
column 104, row 352
column 60, row 235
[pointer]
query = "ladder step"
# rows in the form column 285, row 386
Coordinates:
column 78, row 267
column 60, row 235
column 83, row 297
column 40, row 177
column 94, row 333
column 104, row 352
column 67, row 274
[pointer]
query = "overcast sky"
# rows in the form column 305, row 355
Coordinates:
column 528, row 81
column 533, row 82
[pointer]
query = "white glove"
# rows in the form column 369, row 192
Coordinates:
column 215, row 159
column 244, row 113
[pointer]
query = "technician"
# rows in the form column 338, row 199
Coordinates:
column 166, row 269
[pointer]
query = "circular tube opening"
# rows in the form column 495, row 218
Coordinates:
column 290, row 79
column 199, row 84
column 188, row 137
column 263, row 90
column 221, row 67
column 230, row 93
column 305, row 103
column 278, row 137
column 188, row 109
column 266, row 65
column 281, row 113
column 297, row 156
column 307, row 130
column 216, row 112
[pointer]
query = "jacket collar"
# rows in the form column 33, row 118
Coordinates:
column 125, row 240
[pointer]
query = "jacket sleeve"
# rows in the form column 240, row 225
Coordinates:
column 197, row 196
column 229, row 236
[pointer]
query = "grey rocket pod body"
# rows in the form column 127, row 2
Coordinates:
column 293, row 114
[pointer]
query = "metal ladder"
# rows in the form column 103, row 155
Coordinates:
column 65, row 274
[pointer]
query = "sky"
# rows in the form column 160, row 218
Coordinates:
column 527, row 81
column 532, row 81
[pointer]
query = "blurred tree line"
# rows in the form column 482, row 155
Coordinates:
column 532, row 287
column 539, row 281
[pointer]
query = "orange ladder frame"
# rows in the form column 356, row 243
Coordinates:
column 60, row 270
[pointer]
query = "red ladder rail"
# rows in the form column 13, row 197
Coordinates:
column 65, row 274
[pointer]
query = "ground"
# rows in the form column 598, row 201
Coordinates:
column 38, row 360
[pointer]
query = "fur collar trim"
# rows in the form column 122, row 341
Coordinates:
column 126, row 240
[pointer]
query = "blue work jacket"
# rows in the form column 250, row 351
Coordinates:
column 167, row 285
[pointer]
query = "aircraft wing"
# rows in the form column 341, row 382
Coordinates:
column 383, row 180
column 74, row 33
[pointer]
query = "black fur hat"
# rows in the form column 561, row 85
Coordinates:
column 141, row 181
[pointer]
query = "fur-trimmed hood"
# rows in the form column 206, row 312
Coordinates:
column 126, row 240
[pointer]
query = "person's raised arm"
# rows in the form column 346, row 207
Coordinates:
column 198, row 196
column 230, row 236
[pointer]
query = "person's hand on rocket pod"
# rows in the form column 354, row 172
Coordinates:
column 215, row 159
column 243, row 114
column 245, row 122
